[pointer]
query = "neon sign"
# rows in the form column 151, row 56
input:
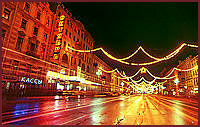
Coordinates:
column 59, row 38
column 31, row 80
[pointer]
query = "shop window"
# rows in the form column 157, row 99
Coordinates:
column 3, row 34
column 6, row 14
column 38, row 15
column 27, row 7
column 23, row 24
column 35, row 32
column 19, row 43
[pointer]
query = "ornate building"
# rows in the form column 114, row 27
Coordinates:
column 36, row 57
column 188, row 79
column 186, row 82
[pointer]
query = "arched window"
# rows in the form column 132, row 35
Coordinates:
column 65, row 59
column 83, row 67
column 88, row 69
column 79, row 62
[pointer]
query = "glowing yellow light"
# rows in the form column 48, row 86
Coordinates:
column 148, row 63
column 143, row 70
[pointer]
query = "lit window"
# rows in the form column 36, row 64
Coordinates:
column 57, row 25
column 19, row 43
column 59, row 14
column 55, row 37
column 23, row 24
column 27, row 7
column 45, row 36
column 71, row 61
column 69, row 35
column 35, row 32
column 32, row 47
column 66, row 32
column 79, row 62
column 3, row 34
column 6, row 14
column 75, row 61
column 48, row 21
column 38, row 15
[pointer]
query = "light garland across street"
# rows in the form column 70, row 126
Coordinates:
column 140, row 48
column 155, row 77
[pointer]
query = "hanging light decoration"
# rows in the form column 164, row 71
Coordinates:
column 140, row 48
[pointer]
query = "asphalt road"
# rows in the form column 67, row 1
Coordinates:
column 122, row 110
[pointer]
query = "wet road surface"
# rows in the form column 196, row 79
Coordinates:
column 122, row 110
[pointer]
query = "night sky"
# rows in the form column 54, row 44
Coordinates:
column 122, row 27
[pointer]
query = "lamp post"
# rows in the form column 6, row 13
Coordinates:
column 176, row 81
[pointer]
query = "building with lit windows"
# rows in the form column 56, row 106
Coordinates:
column 81, row 66
column 26, row 29
column 185, row 83
column 35, row 53
column 188, row 79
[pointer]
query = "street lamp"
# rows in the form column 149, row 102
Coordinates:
column 176, row 81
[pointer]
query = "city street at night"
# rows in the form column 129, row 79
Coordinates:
column 123, row 110
column 100, row 63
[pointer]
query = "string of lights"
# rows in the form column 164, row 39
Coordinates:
column 155, row 77
column 138, row 64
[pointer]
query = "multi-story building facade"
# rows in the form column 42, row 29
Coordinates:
column 185, row 83
column 25, row 36
column 36, row 57
column 188, row 79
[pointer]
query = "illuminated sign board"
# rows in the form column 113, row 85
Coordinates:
column 59, row 38
column 31, row 80
column 56, row 75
